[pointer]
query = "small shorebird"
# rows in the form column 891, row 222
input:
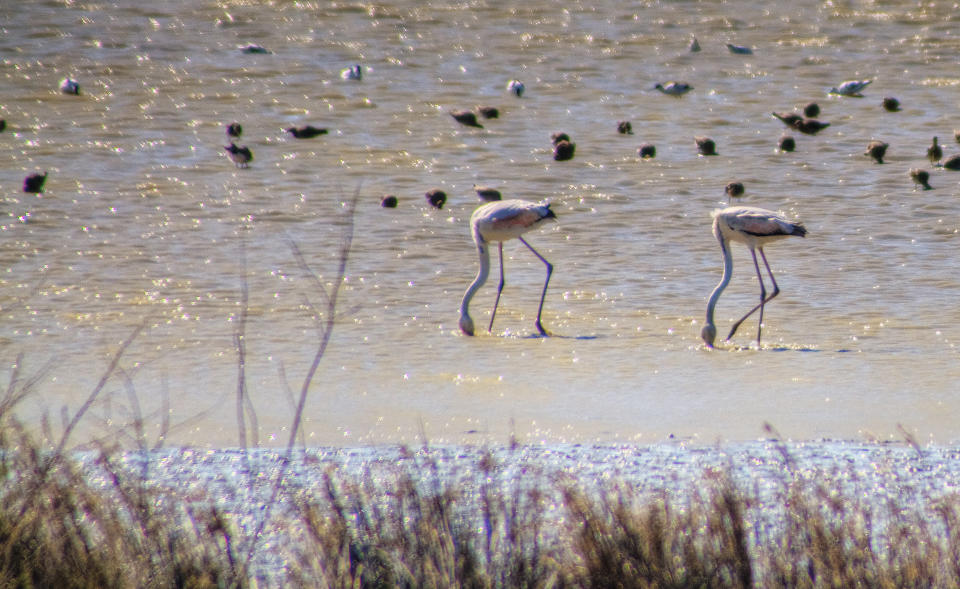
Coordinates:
column 810, row 126
column 466, row 117
column 488, row 112
column 234, row 131
column 34, row 183
column 69, row 86
column 558, row 137
column 625, row 128
column 253, row 48
column 354, row 72
column 755, row 228
column 876, row 150
column 487, row 194
column 241, row 156
column 563, row 150
column 437, row 198
column 739, row 49
column 812, row 110
column 516, row 88
column 891, row 104
column 951, row 163
column 934, row 152
column 733, row 190
column 850, row 88
column 497, row 222
column 705, row 146
column 674, row 88
column 789, row 119
column 787, row 143
column 647, row 151
column 388, row 202
column 694, row 45
column 921, row 177
column 306, row 132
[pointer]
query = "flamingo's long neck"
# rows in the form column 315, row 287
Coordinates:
column 709, row 331
column 466, row 323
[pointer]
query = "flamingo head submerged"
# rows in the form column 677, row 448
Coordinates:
column 466, row 324
column 709, row 334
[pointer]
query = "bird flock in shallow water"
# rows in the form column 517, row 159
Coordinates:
column 498, row 220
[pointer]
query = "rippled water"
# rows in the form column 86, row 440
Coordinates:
column 145, row 221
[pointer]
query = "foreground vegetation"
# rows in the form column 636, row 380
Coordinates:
column 416, row 528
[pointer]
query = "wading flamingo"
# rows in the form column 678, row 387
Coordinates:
column 753, row 227
column 499, row 221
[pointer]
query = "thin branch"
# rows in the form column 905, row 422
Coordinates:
column 326, row 331
column 111, row 368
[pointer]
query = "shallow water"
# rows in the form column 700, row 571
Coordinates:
column 145, row 221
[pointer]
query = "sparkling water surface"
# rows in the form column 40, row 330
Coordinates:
column 145, row 221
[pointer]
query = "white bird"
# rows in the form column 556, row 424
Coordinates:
column 352, row 73
column 69, row 86
column 499, row 221
column 516, row 87
column 674, row 88
column 753, row 227
column 851, row 87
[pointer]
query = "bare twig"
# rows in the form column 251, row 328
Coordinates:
column 325, row 332
column 92, row 397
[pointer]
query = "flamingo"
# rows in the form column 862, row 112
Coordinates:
column 499, row 221
column 753, row 227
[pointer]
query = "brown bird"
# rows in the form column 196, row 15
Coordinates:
column 625, row 128
column 810, row 126
column 466, row 117
column 876, row 150
column 34, row 183
column 558, row 137
column 733, row 190
column 956, row 135
column 787, row 143
column 811, row 110
column 487, row 194
column 789, row 119
column 647, row 151
column 921, row 177
column 234, row 130
column 241, row 156
column 436, row 198
column 306, row 132
column 934, row 152
column 488, row 112
column 891, row 104
column 951, row 163
column 563, row 150
column 706, row 146
column 388, row 202
column 3, row 125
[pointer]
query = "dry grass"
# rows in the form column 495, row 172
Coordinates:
column 419, row 527
column 57, row 530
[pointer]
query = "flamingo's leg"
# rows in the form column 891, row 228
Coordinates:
column 763, row 298
column 499, row 290
column 545, row 283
